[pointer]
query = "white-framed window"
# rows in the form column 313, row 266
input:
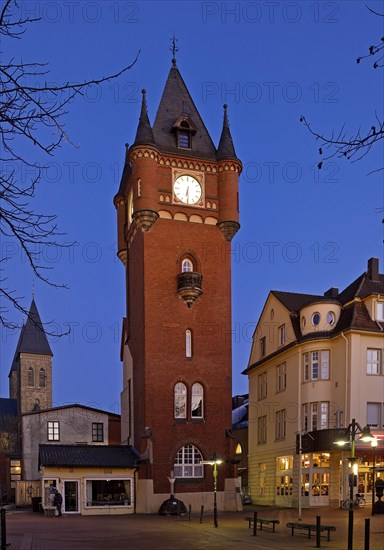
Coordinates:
column 188, row 462
column 180, row 400
column 197, row 401
column 186, row 265
column 315, row 416
column 316, row 319
column 281, row 377
column 53, row 429
column 263, row 344
column 262, row 386
column 373, row 361
column 31, row 377
column 109, row 492
column 379, row 311
column 374, row 415
column 316, row 365
column 188, row 344
column 97, row 432
column 281, row 335
column 262, row 429
column 42, row 378
column 280, row 424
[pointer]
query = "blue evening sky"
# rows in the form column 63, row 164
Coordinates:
column 301, row 230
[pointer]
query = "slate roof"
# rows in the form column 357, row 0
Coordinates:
column 226, row 149
column 144, row 134
column 176, row 100
column 88, row 456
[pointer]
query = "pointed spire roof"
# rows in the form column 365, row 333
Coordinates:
column 176, row 100
column 144, row 134
column 226, row 149
column 33, row 338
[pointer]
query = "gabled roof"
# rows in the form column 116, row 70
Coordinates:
column 72, row 406
column 294, row 301
column 175, row 101
column 88, row 456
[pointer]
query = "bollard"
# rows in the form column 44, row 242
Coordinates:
column 3, row 530
column 201, row 513
column 350, row 530
column 189, row 512
column 254, row 524
column 366, row 533
column 318, row 532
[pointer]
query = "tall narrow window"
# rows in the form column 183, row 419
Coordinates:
column 280, row 424
column 262, row 386
column 188, row 343
column 373, row 415
column 31, row 377
column 373, row 361
column 42, row 378
column 197, row 401
column 281, row 377
column 188, row 462
column 180, row 400
column 262, row 429
column 186, row 265
column 379, row 311
column 53, row 431
column 262, row 346
column 97, row 431
column 281, row 335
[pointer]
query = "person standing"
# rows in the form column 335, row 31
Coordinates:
column 58, row 501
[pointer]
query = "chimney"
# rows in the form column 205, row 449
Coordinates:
column 332, row 292
column 373, row 269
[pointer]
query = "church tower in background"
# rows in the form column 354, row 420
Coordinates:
column 177, row 212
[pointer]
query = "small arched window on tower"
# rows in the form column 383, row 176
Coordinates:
column 186, row 265
column 188, row 344
column 184, row 136
column 197, row 401
column 180, row 400
column 31, row 378
column 42, row 378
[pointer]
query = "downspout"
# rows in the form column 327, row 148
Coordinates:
column 346, row 416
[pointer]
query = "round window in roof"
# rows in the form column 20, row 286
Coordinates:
column 316, row 319
column 330, row 318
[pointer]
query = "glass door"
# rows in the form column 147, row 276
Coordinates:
column 71, row 497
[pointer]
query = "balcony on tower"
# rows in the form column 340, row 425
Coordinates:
column 189, row 286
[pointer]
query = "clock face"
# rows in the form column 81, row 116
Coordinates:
column 187, row 189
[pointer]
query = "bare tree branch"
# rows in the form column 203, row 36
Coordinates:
column 32, row 111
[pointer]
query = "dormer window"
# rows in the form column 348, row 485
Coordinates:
column 184, row 129
column 379, row 311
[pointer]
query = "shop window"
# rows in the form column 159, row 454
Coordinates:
column 109, row 492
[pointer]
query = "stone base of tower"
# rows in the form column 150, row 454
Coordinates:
column 228, row 500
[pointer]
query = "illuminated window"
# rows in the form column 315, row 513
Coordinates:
column 188, row 344
column 53, row 431
column 197, row 401
column 186, row 265
column 238, row 450
column 188, row 462
column 180, row 400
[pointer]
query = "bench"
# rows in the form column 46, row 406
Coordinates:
column 311, row 527
column 262, row 521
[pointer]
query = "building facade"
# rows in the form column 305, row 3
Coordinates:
column 316, row 364
column 177, row 211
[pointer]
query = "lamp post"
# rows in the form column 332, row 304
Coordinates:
column 349, row 436
column 373, row 445
column 214, row 462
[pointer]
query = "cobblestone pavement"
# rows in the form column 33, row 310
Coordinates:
column 33, row 531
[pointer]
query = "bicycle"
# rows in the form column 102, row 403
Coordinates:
column 357, row 502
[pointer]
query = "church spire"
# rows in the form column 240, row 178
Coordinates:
column 226, row 149
column 144, row 134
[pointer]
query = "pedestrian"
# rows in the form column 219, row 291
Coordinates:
column 58, row 501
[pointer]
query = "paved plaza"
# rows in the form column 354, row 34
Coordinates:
column 33, row 531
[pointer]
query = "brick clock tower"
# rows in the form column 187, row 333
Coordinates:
column 177, row 211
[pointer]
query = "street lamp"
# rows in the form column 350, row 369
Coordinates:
column 215, row 460
column 373, row 445
column 349, row 436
